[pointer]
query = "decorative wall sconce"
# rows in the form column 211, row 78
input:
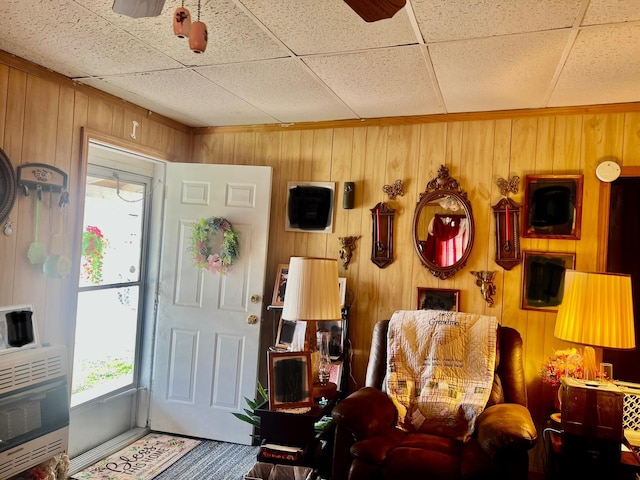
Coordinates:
column 347, row 246
column 382, row 235
column 507, row 215
column 484, row 280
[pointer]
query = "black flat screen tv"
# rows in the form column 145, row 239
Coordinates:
column 310, row 207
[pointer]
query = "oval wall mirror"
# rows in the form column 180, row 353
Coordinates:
column 443, row 227
column 7, row 186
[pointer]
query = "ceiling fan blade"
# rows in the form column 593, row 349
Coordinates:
column 138, row 8
column 374, row 10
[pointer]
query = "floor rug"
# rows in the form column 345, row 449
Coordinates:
column 142, row 460
column 213, row 460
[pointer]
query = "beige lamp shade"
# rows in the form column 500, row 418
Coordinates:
column 312, row 292
column 596, row 310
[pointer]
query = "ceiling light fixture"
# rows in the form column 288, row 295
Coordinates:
column 198, row 35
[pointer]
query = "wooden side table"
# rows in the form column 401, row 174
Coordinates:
column 583, row 458
column 298, row 430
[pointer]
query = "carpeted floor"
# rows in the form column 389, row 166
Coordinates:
column 213, row 461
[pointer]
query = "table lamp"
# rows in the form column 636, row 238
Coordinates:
column 313, row 295
column 596, row 311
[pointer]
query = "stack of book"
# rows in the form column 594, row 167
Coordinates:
column 276, row 452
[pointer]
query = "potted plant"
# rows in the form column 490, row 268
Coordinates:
column 250, row 416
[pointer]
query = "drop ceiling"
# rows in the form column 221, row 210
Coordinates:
column 290, row 61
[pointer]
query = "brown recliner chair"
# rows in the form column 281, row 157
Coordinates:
column 368, row 445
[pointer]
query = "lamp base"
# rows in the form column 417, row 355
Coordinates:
column 327, row 390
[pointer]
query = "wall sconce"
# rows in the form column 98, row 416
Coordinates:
column 347, row 246
column 382, row 235
column 507, row 216
column 484, row 280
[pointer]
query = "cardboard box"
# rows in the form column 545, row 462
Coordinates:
column 269, row 471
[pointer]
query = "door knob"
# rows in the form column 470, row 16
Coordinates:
column 255, row 298
column 252, row 319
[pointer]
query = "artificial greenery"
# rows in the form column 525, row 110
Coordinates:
column 250, row 416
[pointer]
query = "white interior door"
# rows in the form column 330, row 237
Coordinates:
column 206, row 356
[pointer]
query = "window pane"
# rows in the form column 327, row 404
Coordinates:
column 112, row 234
column 105, row 342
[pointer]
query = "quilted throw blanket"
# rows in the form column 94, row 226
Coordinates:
column 440, row 369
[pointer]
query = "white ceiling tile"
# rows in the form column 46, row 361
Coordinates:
column 67, row 38
column 232, row 35
column 326, row 26
column 610, row 11
column 187, row 92
column 586, row 81
column 444, row 20
column 499, row 72
column 380, row 83
column 294, row 93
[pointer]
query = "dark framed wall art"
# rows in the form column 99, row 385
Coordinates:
column 552, row 206
column 290, row 380
column 438, row 299
column 543, row 279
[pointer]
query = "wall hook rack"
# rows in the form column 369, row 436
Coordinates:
column 41, row 176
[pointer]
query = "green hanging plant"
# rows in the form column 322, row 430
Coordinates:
column 250, row 416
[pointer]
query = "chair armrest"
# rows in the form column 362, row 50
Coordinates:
column 506, row 426
column 365, row 413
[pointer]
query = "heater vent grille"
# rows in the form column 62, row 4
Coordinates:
column 23, row 369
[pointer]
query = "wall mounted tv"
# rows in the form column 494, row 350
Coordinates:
column 310, row 206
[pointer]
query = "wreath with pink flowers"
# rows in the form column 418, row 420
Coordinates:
column 202, row 237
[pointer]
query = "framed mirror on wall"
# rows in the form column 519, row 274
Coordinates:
column 553, row 206
column 443, row 227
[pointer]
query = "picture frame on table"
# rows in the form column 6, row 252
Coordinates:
column 552, row 206
column 280, row 285
column 446, row 299
column 290, row 380
column 543, row 279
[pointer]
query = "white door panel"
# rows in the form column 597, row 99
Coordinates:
column 206, row 352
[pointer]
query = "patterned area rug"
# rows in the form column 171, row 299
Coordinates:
column 213, row 460
column 142, row 460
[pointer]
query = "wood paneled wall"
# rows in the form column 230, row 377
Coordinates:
column 41, row 118
column 42, row 114
column 476, row 152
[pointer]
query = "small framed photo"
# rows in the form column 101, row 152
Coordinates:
column 280, row 285
column 553, row 206
column 543, row 279
column 290, row 380
column 286, row 331
column 438, row 299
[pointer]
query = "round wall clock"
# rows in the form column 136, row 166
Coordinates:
column 608, row 171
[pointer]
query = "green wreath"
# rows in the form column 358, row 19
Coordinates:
column 203, row 255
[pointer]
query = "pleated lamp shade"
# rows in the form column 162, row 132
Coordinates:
column 313, row 292
column 596, row 310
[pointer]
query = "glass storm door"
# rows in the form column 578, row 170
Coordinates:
column 110, row 302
